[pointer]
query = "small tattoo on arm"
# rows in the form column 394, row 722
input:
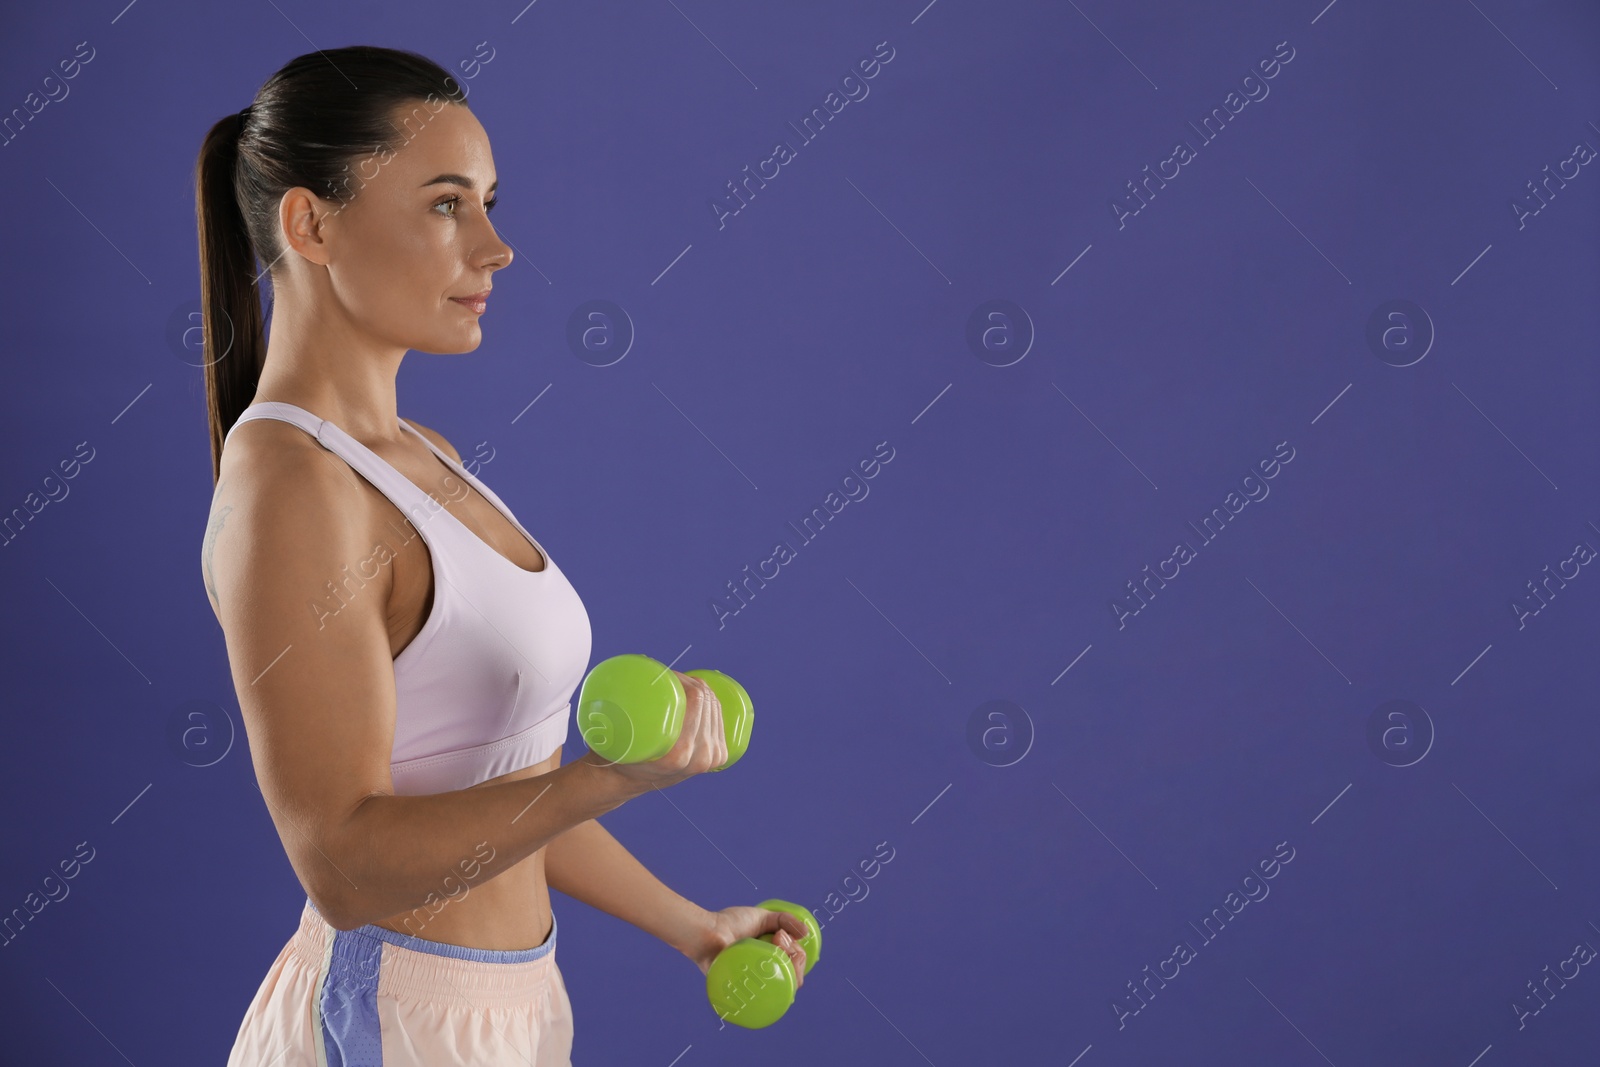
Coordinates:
column 218, row 517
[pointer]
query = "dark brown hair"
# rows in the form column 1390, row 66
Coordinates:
column 307, row 124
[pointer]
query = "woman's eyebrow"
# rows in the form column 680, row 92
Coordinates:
column 458, row 179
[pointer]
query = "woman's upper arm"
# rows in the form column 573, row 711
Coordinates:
column 301, row 592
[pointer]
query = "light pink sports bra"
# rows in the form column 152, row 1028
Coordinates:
column 486, row 685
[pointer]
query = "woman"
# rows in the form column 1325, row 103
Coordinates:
column 404, row 651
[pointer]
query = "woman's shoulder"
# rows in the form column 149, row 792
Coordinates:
column 280, row 499
column 269, row 459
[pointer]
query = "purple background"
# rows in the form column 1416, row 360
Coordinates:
column 1230, row 714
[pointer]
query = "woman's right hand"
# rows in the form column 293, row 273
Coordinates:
column 701, row 746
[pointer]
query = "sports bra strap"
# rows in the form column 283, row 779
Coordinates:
column 402, row 492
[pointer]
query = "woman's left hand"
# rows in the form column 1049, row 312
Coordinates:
column 733, row 924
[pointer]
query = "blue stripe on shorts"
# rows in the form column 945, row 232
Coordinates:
column 348, row 999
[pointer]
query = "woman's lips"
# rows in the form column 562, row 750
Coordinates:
column 477, row 304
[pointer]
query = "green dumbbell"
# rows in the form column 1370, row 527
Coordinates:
column 631, row 709
column 752, row 982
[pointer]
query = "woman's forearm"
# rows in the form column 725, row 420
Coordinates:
column 395, row 852
column 590, row 865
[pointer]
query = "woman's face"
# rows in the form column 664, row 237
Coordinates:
column 417, row 233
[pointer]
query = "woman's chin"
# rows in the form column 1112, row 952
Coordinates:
column 460, row 343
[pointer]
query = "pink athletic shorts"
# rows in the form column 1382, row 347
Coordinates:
column 371, row 997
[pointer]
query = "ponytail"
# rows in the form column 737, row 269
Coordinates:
column 230, row 306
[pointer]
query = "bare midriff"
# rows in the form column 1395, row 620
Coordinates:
column 509, row 911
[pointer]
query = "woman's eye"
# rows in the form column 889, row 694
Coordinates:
column 454, row 200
